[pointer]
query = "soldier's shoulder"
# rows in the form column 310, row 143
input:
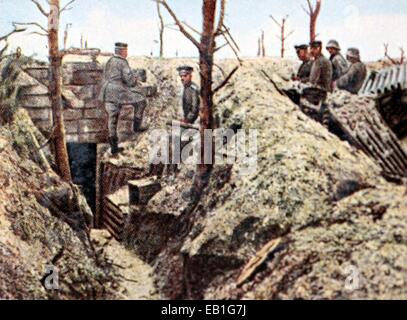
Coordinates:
column 194, row 86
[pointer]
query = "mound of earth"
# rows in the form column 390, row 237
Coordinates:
column 324, row 203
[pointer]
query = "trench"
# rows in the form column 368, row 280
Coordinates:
column 83, row 162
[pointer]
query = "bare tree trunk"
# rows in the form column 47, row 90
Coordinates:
column 263, row 47
column 55, row 89
column 313, row 12
column 207, row 48
column 283, row 38
column 259, row 47
column 206, row 53
column 161, row 29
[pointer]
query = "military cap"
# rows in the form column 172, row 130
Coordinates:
column 316, row 44
column 333, row 44
column 121, row 45
column 185, row 69
column 353, row 53
column 301, row 47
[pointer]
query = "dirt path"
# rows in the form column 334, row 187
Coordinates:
column 136, row 275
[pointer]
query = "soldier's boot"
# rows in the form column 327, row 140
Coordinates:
column 137, row 126
column 114, row 146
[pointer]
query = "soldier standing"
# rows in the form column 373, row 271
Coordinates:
column 321, row 71
column 190, row 95
column 118, row 90
column 353, row 80
column 339, row 64
column 304, row 71
column 321, row 78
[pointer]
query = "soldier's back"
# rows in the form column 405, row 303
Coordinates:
column 321, row 73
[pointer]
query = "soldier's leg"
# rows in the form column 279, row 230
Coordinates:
column 138, row 115
column 113, row 111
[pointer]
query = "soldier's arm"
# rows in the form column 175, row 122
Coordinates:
column 128, row 75
column 315, row 72
column 194, row 113
column 341, row 66
column 346, row 79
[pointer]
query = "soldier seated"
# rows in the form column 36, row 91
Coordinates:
column 352, row 81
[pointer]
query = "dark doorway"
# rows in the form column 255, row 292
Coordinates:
column 82, row 159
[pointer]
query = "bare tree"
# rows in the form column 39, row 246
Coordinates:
column 207, row 48
column 161, row 28
column 283, row 35
column 394, row 60
column 5, row 38
column 55, row 83
column 313, row 12
column 259, row 47
column 263, row 47
column 261, row 51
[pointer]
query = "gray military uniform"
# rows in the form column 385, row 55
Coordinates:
column 191, row 102
column 321, row 74
column 353, row 80
column 339, row 65
column 304, row 71
column 119, row 89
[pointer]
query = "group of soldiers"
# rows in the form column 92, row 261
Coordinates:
column 322, row 74
column 120, row 87
column 335, row 72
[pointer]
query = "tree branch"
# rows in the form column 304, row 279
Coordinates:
column 16, row 30
column 275, row 21
column 192, row 28
column 220, row 47
column 288, row 35
column 39, row 33
column 221, row 18
column 233, row 49
column 179, row 24
column 231, row 38
column 65, row 8
column 226, row 81
column 39, row 6
column 317, row 9
column 30, row 24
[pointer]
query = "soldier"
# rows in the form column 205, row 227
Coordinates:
column 304, row 71
column 321, row 71
column 321, row 78
column 118, row 90
column 190, row 96
column 339, row 64
column 353, row 80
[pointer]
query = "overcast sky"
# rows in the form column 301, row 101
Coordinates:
column 366, row 24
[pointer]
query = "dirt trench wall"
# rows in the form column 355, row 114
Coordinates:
column 43, row 223
column 303, row 174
